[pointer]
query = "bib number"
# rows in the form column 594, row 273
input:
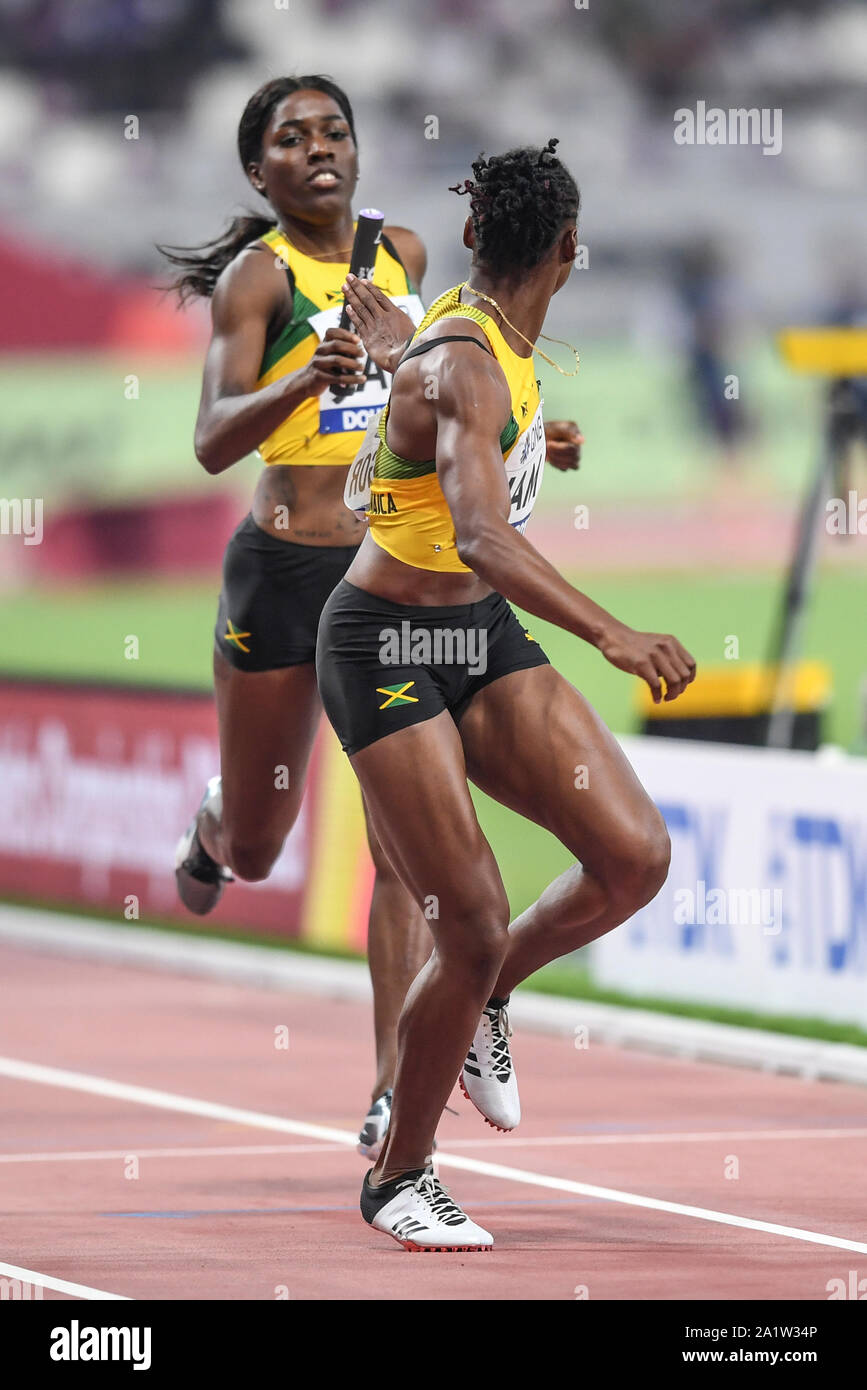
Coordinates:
column 525, row 468
column 356, row 493
column 342, row 415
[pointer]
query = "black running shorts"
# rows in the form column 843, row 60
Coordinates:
column 383, row 666
column 273, row 593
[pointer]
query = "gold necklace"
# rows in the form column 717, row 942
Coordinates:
column 488, row 300
column 312, row 255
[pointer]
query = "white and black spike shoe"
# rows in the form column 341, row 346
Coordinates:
column 417, row 1211
column 375, row 1128
column 200, row 878
column 488, row 1078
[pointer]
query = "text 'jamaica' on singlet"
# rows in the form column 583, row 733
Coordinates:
column 408, row 514
column 326, row 429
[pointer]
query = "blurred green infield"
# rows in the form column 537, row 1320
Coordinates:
column 78, row 633
column 71, row 433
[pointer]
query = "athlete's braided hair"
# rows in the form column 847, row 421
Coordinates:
column 519, row 203
column 201, row 271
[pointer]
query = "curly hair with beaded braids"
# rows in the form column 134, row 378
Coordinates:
column 520, row 202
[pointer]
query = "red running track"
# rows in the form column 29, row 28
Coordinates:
column 150, row 1202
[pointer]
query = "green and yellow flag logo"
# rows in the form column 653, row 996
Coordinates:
column 232, row 635
column 396, row 695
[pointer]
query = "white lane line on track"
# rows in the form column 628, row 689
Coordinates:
column 515, row 1141
column 47, row 1281
column 238, row 1151
column 166, row 1100
column 632, row 1199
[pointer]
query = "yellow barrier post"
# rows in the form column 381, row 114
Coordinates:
column 839, row 354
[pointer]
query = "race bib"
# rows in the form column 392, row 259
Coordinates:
column 525, row 467
column 341, row 415
column 356, row 493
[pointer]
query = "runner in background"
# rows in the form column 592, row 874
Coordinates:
column 275, row 356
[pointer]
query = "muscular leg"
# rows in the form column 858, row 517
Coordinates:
column 414, row 784
column 398, row 944
column 528, row 739
column 268, row 720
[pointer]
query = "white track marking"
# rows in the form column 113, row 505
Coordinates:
column 632, row 1199
column 46, row 1281
column 501, row 1141
column 697, row 1137
column 98, row 1155
column 165, row 1100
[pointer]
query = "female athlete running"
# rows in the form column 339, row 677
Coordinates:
column 274, row 357
column 458, row 460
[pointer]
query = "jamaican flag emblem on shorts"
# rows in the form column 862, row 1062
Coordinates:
column 396, row 695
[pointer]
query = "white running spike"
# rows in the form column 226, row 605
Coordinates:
column 423, row 1216
column 488, row 1078
column 375, row 1128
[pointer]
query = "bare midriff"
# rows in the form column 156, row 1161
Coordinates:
column 304, row 503
column 379, row 573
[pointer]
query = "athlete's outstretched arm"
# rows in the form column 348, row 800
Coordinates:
column 233, row 416
column 471, row 410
